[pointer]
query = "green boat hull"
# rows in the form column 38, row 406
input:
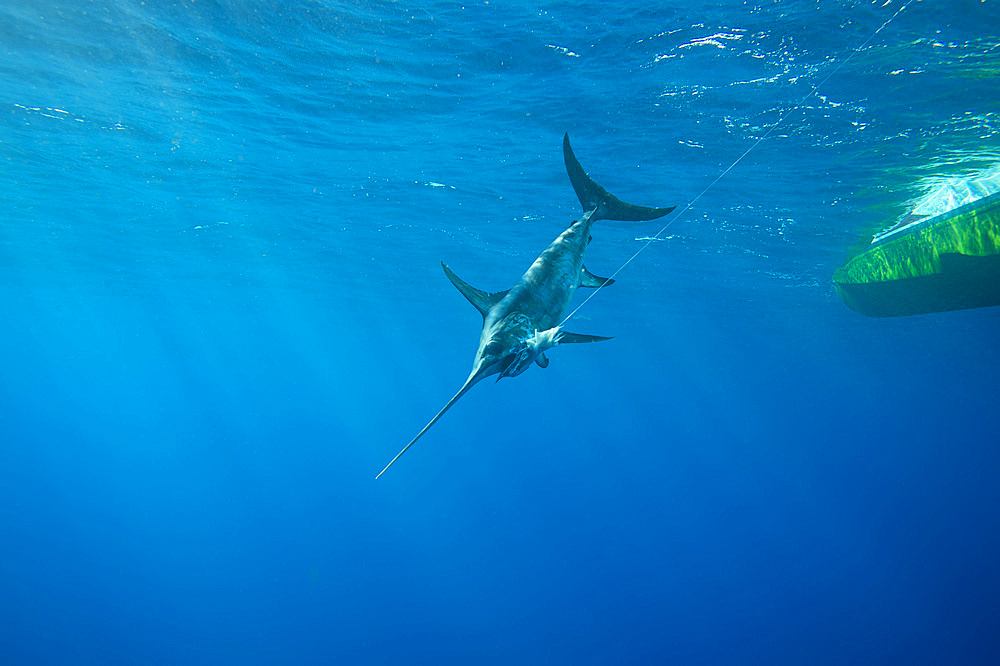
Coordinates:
column 949, row 262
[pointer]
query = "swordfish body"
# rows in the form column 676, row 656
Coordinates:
column 522, row 323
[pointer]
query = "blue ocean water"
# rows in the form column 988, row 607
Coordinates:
column 223, row 314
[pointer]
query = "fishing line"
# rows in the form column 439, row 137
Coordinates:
column 725, row 172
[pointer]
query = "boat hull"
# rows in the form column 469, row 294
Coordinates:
column 948, row 262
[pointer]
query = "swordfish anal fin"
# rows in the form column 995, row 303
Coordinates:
column 596, row 200
column 588, row 279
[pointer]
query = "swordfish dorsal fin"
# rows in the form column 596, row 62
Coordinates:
column 477, row 297
column 596, row 200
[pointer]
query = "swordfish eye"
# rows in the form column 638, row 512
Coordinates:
column 494, row 348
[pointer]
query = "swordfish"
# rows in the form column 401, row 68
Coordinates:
column 522, row 323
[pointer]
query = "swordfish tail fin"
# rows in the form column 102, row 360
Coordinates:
column 601, row 204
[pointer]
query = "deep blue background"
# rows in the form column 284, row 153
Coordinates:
column 223, row 313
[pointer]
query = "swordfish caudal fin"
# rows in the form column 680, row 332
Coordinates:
column 596, row 200
column 477, row 297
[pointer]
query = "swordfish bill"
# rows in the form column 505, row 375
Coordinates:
column 525, row 321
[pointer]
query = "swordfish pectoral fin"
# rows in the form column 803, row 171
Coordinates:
column 598, row 201
column 566, row 338
column 479, row 298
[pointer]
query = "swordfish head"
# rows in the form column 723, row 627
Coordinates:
column 508, row 347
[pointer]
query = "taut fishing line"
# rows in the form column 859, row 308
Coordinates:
column 781, row 117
